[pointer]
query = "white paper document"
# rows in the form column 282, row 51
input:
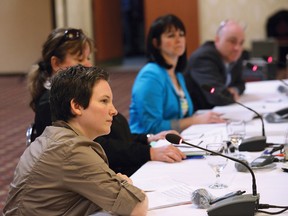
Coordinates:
column 153, row 184
column 198, row 139
column 237, row 113
column 165, row 191
column 177, row 195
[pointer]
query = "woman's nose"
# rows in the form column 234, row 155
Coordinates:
column 87, row 63
column 113, row 111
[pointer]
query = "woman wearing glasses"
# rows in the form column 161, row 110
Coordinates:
column 63, row 48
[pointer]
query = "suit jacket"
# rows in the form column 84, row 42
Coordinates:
column 206, row 66
column 155, row 105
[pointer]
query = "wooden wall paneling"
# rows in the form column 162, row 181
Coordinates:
column 186, row 10
column 107, row 24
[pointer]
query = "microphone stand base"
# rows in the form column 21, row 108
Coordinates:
column 243, row 205
column 253, row 144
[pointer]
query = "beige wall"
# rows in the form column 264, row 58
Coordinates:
column 24, row 27
column 253, row 13
column 78, row 14
column 75, row 14
column 25, row 24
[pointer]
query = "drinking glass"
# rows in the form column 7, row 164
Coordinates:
column 236, row 133
column 217, row 162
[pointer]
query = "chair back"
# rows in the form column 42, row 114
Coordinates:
column 30, row 134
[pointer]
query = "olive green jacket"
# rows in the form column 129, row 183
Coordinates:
column 65, row 173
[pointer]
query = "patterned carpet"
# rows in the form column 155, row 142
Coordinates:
column 16, row 115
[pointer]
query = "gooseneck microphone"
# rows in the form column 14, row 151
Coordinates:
column 257, row 143
column 176, row 139
column 283, row 89
column 285, row 83
column 244, row 205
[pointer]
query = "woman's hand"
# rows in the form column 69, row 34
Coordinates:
column 125, row 177
column 167, row 153
column 209, row 117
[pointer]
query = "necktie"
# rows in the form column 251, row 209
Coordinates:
column 228, row 74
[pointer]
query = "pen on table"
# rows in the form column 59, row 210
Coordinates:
column 201, row 135
column 267, row 151
column 182, row 146
column 186, row 146
column 200, row 143
column 194, row 157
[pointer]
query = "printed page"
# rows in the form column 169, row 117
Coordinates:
column 153, row 184
column 177, row 195
column 237, row 113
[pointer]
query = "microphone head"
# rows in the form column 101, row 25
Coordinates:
column 173, row 138
column 283, row 89
column 201, row 198
column 240, row 167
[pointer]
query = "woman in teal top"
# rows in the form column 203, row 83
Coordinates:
column 160, row 100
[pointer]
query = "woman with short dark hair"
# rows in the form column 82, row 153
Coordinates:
column 64, row 172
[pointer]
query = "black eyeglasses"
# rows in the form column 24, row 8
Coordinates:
column 70, row 35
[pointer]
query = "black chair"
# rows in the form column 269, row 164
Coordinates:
column 30, row 134
column 277, row 27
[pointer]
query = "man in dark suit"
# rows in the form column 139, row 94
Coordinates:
column 217, row 63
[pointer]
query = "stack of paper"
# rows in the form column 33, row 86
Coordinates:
column 165, row 192
column 177, row 195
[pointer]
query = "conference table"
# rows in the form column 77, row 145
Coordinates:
column 272, row 182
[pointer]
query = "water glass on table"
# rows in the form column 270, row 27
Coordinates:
column 236, row 132
column 217, row 162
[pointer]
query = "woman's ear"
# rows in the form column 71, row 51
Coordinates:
column 55, row 64
column 76, row 109
column 155, row 43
